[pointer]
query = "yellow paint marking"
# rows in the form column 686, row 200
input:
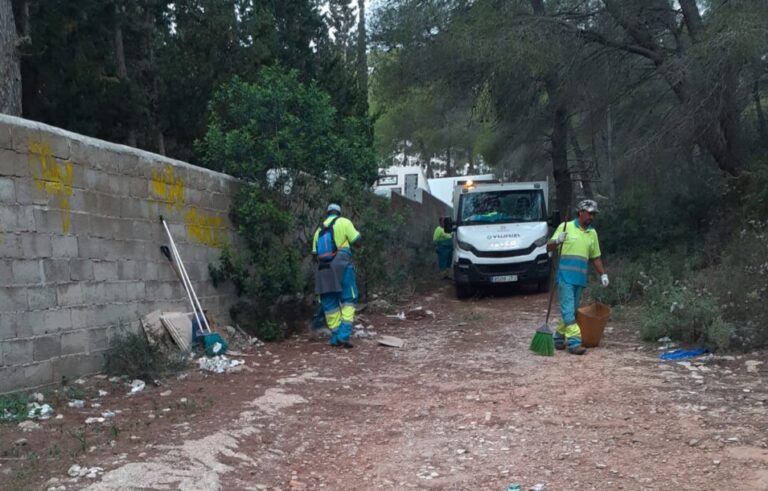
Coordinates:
column 168, row 187
column 54, row 178
column 203, row 228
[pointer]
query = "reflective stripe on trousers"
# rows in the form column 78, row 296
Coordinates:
column 339, row 307
column 568, row 336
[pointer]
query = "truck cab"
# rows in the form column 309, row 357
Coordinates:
column 500, row 235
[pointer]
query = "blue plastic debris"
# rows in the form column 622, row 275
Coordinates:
column 682, row 354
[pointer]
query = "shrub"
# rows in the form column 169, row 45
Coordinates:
column 684, row 313
column 131, row 354
column 742, row 280
column 283, row 137
column 13, row 408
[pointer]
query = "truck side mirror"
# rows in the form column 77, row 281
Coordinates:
column 448, row 225
column 555, row 218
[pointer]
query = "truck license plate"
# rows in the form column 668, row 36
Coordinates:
column 504, row 279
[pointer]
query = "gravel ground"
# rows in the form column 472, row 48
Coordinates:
column 463, row 405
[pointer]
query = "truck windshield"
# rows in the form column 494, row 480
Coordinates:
column 502, row 207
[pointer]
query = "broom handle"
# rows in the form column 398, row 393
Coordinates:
column 187, row 282
column 554, row 273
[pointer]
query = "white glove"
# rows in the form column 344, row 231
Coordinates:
column 560, row 238
column 604, row 280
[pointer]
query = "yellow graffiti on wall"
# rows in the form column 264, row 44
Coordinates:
column 203, row 228
column 168, row 187
column 54, row 178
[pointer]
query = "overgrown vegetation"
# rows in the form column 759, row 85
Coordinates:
column 283, row 137
column 132, row 355
column 699, row 272
column 655, row 108
column 13, row 408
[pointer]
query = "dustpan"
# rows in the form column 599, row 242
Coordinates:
column 210, row 342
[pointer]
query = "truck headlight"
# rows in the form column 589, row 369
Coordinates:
column 465, row 246
column 541, row 241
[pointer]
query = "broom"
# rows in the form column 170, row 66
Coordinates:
column 543, row 343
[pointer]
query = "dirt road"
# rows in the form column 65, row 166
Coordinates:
column 463, row 406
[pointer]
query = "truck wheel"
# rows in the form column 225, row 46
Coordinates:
column 462, row 290
column 543, row 285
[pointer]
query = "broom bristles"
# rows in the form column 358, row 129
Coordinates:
column 543, row 343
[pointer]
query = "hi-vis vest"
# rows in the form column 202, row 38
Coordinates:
column 579, row 248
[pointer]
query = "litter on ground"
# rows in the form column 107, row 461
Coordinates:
column 218, row 364
column 391, row 341
column 681, row 354
column 38, row 411
column 89, row 472
column 137, row 386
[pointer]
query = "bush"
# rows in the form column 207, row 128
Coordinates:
column 742, row 279
column 13, row 408
column 131, row 354
column 286, row 141
column 685, row 314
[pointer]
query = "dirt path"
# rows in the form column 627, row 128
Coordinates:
column 463, row 406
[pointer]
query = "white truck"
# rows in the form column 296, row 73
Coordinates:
column 500, row 235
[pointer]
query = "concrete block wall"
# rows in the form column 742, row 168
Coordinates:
column 80, row 241
column 421, row 218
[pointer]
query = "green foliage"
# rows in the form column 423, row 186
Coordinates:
column 753, row 191
column 742, row 283
column 647, row 218
column 154, row 92
column 378, row 256
column 13, row 408
column 691, row 315
column 283, row 137
column 281, row 124
column 131, row 354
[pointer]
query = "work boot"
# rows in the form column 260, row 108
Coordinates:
column 578, row 350
column 346, row 345
column 559, row 341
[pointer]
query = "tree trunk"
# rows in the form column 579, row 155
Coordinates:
column 586, row 182
column 155, row 93
column 609, row 149
column 717, row 134
column 10, row 70
column 761, row 124
column 423, row 155
column 449, row 170
column 122, row 69
column 559, row 142
column 362, row 56
column 559, row 136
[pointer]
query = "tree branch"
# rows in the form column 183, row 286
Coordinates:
column 641, row 36
column 692, row 18
column 595, row 37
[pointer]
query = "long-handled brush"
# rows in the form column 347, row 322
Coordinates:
column 543, row 342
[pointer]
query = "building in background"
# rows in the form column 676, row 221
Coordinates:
column 442, row 188
column 407, row 181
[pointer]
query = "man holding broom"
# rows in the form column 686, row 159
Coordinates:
column 579, row 246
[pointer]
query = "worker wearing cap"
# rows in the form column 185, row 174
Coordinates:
column 580, row 246
column 335, row 279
